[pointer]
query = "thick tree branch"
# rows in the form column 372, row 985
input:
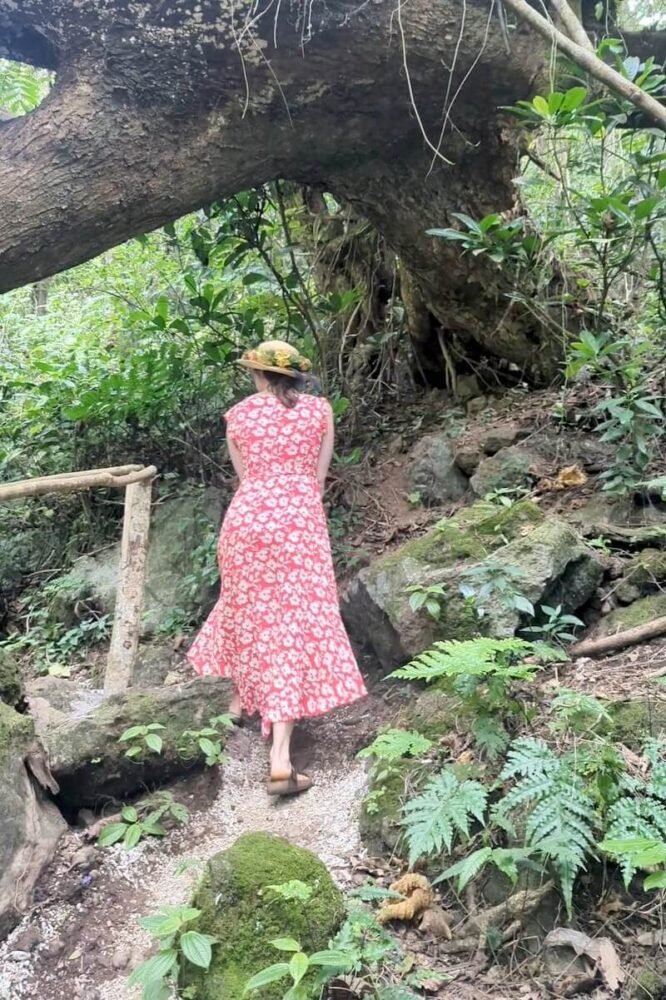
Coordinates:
column 591, row 63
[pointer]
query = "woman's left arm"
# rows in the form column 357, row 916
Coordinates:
column 326, row 450
column 236, row 458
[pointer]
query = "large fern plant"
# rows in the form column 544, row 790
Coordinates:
column 442, row 814
column 480, row 674
column 639, row 813
column 549, row 797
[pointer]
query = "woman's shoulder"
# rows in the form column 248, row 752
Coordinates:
column 238, row 408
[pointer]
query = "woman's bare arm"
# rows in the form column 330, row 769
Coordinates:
column 236, row 459
column 326, row 450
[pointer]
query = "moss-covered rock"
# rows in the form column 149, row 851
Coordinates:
column 639, row 613
column 240, row 910
column 90, row 764
column 647, row 569
column 381, row 811
column 554, row 563
column 11, row 683
column 30, row 826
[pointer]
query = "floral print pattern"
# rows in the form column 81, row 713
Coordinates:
column 276, row 630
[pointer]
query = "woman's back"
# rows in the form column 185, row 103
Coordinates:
column 277, row 440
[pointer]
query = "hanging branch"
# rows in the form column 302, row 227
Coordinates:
column 571, row 24
column 590, row 62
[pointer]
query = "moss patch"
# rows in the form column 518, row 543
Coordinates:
column 472, row 533
column 639, row 613
column 245, row 916
column 647, row 569
column 16, row 731
column 11, row 685
column 633, row 721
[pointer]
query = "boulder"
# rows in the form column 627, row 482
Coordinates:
column 433, row 473
column 555, row 564
column 30, row 825
column 11, row 683
column 510, row 469
column 241, row 911
column 80, row 732
column 639, row 613
column 179, row 528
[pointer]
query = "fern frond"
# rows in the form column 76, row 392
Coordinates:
column 561, row 815
column 393, row 744
column 634, row 818
column 443, row 811
column 472, row 656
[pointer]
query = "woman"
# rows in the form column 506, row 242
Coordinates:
column 276, row 630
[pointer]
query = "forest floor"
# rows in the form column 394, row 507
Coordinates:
column 82, row 938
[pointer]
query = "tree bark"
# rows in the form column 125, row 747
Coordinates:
column 159, row 109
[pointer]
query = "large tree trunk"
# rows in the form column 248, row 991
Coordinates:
column 161, row 108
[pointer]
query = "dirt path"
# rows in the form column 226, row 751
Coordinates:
column 84, row 938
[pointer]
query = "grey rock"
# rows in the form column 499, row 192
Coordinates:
column 503, row 436
column 90, row 764
column 467, row 460
column 27, row 939
column 178, row 527
column 557, row 568
column 433, row 472
column 511, row 468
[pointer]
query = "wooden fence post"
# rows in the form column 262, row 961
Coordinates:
column 129, row 599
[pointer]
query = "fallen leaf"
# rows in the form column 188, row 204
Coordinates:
column 600, row 950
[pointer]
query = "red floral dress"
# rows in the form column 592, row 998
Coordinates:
column 276, row 630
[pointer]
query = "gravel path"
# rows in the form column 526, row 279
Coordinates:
column 84, row 945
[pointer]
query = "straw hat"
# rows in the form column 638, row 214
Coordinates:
column 276, row 356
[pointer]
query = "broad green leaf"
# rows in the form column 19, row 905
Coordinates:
column 111, row 834
column 298, row 967
column 154, row 742
column 655, row 881
column 130, row 814
column 197, row 948
column 157, row 967
column 286, row 944
column 273, row 974
column 133, row 835
column 132, row 733
column 332, row 959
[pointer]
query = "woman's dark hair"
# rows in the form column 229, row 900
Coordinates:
column 287, row 388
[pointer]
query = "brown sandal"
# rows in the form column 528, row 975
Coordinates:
column 295, row 784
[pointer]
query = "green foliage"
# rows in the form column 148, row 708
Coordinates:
column 493, row 581
column 142, row 739
column 558, row 813
column 178, row 946
column 500, row 241
column 442, row 813
column 146, row 819
column 207, row 741
column 428, row 598
column 505, row 859
column 376, row 957
column 480, row 673
column 555, row 625
column 576, row 712
column 294, row 889
column 297, row 969
column 22, row 87
column 639, row 852
column 640, row 812
column 394, row 744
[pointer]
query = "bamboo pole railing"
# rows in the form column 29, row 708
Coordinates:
column 137, row 481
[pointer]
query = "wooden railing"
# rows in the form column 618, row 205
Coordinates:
column 137, row 481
